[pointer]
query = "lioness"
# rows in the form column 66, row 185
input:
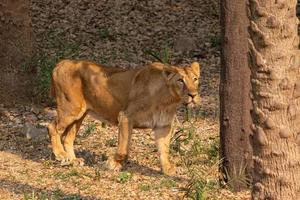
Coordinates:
column 135, row 98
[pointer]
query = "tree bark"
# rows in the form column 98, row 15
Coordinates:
column 15, row 49
column 235, row 102
column 275, row 79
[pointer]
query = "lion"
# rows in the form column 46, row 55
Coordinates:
column 142, row 98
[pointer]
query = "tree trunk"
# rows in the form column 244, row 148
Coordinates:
column 15, row 50
column 275, row 82
column 235, row 102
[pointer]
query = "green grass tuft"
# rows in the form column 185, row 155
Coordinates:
column 90, row 129
column 124, row 177
column 163, row 56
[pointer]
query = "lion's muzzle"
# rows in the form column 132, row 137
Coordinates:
column 192, row 100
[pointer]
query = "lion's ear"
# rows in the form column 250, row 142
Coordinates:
column 163, row 67
column 196, row 68
column 157, row 65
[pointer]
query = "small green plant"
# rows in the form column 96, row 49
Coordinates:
column 97, row 174
column 104, row 157
column 91, row 128
column 36, row 196
column 48, row 163
column 111, row 142
column 188, row 115
column 71, row 197
column 145, row 187
column 163, row 56
column 213, row 151
column 182, row 137
column 58, row 194
column 200, row 186
column 215, row 41
column 55, row 195
column 202, row 113
column 197, row 148
column 104, row 125
column 69, row 174
column 105, row 34
column 168, row 183
column 124, row 177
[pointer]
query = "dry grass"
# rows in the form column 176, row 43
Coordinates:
column 28, row 171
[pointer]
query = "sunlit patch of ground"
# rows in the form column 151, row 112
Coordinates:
column 28, row 171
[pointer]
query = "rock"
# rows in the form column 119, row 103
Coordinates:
column 35, row 110
column 27, row 108
column 49, row 113
column 33, row 133
column 31, row 118
column 18, row 121
column 40, row 116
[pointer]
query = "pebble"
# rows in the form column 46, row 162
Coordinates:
column 31, row 118
column 18, row 121
column 33, row 133
column 35, row 110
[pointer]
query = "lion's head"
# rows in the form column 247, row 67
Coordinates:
column 183, row 82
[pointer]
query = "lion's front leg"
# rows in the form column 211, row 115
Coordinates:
column 125, row 131
column 162, row 138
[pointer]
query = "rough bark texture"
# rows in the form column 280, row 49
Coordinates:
column 235, row 102
column 275, row 81
column 15, row 48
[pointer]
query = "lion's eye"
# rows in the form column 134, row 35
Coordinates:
column 195, row 79
column 180, row 80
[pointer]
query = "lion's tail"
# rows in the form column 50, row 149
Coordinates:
column 52, row 92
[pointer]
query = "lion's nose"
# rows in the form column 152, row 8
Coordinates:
column 192, row 94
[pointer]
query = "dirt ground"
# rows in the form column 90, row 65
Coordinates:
column 28, row 171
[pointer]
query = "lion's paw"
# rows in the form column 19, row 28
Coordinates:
column 169, row 170
column 78, row 162
column 72, row 161
column 61, row 156
column 114, row 165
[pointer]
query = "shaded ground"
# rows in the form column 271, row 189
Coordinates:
column 16, row 48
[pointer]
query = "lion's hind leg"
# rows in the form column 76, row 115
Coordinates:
column 69, row 114
column 57, row 147
column 71, row 109
column 68, row 141
column 66, row 127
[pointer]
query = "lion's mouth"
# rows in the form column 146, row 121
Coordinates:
column 192, row 102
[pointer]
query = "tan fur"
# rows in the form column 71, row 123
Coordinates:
column 137, row 98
